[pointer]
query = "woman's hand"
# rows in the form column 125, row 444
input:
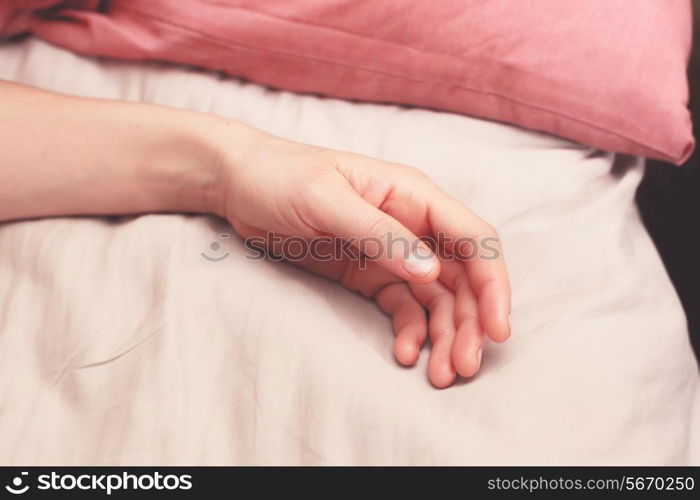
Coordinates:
column 329, row 197
column 99, row 157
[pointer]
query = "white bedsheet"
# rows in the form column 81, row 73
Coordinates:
column 121, row 344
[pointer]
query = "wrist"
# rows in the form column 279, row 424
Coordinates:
column 229, row 144
column 188, row 167
column 112, row 157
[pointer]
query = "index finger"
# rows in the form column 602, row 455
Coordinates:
column 456, row 225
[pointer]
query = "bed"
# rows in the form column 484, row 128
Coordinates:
column 122, row 343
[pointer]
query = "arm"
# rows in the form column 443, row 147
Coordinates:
column 63, row 155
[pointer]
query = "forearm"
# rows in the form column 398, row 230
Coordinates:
column 63, row 155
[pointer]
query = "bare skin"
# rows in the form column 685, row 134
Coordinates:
column 64, row 155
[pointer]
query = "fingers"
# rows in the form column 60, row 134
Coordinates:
column 487, row 269
column 366, row 279
column 463, row 232
column 392, row 295
column 377, row 235
column 410, row 323
column 440, row 304
column 469, row 339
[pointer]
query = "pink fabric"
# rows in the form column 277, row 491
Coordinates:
column 16, row 16
column 608, row 73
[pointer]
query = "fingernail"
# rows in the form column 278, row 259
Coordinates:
column 479, row 353
column 420, row 261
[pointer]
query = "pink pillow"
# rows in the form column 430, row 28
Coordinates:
column 16, row 16
column 608, row 73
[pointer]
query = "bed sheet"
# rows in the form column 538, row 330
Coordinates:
column 120, row 343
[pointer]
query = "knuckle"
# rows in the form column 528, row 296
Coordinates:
column 424, row 181
column 440, row 299
column 488, row 230
column 418, row 173
column 440, row 333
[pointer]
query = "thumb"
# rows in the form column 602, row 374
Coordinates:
column 381, row 238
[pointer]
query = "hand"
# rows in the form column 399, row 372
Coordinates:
column 111, row 157
column 291, row 189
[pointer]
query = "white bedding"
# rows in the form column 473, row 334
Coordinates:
column 121, row 344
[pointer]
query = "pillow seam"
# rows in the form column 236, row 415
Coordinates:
column 226, row 45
